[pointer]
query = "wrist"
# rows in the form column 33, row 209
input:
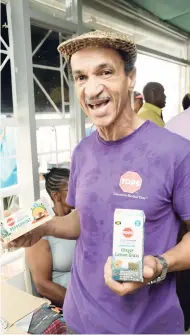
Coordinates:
column 169, row 261
column 161, row 270
column 159, row 266
column 47, row 228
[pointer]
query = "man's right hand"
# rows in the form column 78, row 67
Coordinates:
column 28, row 239
column 67, row 227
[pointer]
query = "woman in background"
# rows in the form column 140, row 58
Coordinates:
column 50, row 259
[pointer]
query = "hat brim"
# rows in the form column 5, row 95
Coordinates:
column 69, row 47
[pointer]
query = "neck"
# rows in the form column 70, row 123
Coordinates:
column 59, row 210
column 125, row 124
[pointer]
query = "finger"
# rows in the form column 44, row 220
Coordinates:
column 131, row 287
column 150, row 260
column 114, row 285
column 108, row 266
column 149, row 272
column 7, row 213
column 150, row 267
column 22, row 241
column 5, row 245
column 122, row 288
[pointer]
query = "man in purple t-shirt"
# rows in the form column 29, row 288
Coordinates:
column 129, row 164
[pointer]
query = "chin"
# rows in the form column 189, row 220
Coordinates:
column 102, row 122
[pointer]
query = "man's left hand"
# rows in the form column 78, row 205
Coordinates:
column 152, row 269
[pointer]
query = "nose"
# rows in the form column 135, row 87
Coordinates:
column 93, row 88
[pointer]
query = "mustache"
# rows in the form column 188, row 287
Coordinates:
column 90, row 101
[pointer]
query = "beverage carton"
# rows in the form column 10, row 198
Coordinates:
column 128, row 245
column 23, row 221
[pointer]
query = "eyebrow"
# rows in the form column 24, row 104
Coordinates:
column 97, row 68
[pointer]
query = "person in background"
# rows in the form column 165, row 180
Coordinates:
column 180, row 124
column 50, row 259
column 138, row 101
column 155, row 100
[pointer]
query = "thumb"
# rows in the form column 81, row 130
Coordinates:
column 148, row 272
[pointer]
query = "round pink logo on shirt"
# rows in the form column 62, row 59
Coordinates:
column 130, row 182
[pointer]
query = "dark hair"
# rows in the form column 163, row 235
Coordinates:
column 55, row 178
column 186, row 101
column 148, row 89
column 128, row 66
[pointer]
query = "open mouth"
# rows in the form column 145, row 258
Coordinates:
column 96, row 104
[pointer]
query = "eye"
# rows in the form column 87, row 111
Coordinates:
column 106, row 73
column 80, row 78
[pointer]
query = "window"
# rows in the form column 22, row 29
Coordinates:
column 6, row 88
column 52, row 99
column 53, row 144
column 50, row 73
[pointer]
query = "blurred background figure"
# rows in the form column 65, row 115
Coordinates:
column 155, row 101
column 180, row 124
column 138, row 101
column 186, row 101
column 50, row 259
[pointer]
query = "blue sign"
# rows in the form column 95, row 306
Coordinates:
column 8, row 175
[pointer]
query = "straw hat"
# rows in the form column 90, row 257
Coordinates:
column 100, row 39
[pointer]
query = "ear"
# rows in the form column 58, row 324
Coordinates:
column 132, row 79
column 56, row 196
column 153, row 95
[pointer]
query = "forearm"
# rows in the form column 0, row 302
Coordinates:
column 52, row 291
column 67, row 227
column 178, row 258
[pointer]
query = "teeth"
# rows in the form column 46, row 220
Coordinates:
column 103, row 103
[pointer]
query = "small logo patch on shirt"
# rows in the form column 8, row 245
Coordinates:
column 130, row 182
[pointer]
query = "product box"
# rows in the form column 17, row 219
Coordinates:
column 23, row 221
column 128, row 245
column 16, row 305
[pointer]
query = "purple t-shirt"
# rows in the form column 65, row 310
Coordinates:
column 147, row 170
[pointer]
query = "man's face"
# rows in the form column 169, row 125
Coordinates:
column 101, row 84
column 160, row 97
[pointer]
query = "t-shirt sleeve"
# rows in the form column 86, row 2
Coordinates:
column 181, row 190
column 71, row 195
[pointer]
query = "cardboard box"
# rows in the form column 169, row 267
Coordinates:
column 15, row 305
column 22, row 221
